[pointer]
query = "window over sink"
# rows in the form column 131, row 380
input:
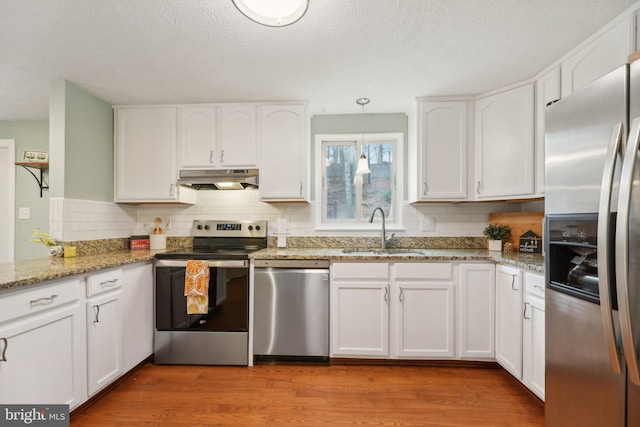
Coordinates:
column 347, row 198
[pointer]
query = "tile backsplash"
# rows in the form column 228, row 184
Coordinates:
column 77, row 220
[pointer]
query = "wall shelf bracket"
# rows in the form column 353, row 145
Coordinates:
column 30, row 167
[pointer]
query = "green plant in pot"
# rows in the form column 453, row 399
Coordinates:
column 496, row 233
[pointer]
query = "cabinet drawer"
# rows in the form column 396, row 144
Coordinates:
column 32, row 301
column 104, row 281
column 360, row 270
column 424, row 270
column 534, row 284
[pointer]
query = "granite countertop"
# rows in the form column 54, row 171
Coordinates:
column 19, row 274
column 534, row 262
column 30, row 272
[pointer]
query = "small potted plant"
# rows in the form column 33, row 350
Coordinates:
column 496, row 233
column 55, row 248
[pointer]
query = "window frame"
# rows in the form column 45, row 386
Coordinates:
column 397, row 140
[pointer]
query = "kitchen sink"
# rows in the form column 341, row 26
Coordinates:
column 382, row 252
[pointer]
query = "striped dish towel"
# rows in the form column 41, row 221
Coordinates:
column 196, row 287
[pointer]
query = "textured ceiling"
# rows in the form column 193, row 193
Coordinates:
column 190, row 51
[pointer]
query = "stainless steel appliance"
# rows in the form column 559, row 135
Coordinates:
column 221, row 336
column 291, row 310
column 592, row 243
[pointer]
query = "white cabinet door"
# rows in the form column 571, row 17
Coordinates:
column 509, row 307
column 533, row 335
column 423, row 310
column 44, row 352
column 476, row 311
column 137, row 307
column 146, row 149
column 359, row 309
column 199, row 137
column 284, row 146
column 547, row 90
column 442, row 150
column 504, row 154
column 238, row 136
column 601, row 55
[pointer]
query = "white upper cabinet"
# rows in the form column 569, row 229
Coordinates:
column 504, row 154
column 199, row 137
column 214, row 136
column 284, row 145
column 547, row 90
column 237, row 136
column 146, row 148
column 442, row 151
column 598, row 56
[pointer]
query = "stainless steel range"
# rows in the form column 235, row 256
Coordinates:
column 221, row 336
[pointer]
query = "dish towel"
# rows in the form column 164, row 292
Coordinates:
column 196, row 287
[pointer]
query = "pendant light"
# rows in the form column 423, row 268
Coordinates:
column 363, row 163
column 273, row 13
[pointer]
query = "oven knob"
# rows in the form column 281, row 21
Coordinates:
column 250, row 227
column 257, row 228
column 199, row 226
column 206, row 227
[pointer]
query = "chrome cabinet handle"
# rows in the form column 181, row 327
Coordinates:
column 629, row 165
column 604, row 222
column 221, row 156
column 47, row 300
column 171, row 186
column 211, row 156
column 478, row 190
column 401, row 297
column 513, row 283
column 524, row 312
column 425, row 188
column 3, row 357
column 301, row 188
column 111, row 282
column 97, row 318
column 386, row 293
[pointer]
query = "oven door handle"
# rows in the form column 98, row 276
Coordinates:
column 212, row 263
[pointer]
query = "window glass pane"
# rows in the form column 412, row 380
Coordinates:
column 377, row 189
column 340, row 191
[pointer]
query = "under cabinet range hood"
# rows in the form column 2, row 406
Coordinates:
column 219, row 179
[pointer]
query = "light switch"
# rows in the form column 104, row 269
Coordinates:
column 24, row 213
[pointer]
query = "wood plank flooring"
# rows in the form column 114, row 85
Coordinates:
column 311, row 395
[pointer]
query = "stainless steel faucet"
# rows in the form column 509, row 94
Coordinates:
column 384, row 239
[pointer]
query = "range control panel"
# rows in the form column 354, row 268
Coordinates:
column 215, row 228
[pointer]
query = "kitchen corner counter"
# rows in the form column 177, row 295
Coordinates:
column 534, row 262
column 14, row 275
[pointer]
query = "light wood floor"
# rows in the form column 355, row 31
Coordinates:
column 306, row 395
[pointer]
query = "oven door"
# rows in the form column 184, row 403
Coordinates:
column 228, row 297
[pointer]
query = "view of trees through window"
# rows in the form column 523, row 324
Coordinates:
column 352, row 197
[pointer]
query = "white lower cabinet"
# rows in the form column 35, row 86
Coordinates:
column 42, row 345
column 533, row 333
column 104, row 329
column 374, row 304
column 137, row 314
column 359, row 309
column 423, row 307
column 476, row 309
column 509, row 309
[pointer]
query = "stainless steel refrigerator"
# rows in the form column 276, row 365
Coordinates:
column 592, row 230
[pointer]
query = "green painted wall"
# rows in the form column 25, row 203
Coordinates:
column 358, row 123
column 82, row 143
column 28, row 135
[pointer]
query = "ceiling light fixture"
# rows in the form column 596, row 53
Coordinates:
column 363, row 163
column 273, row 13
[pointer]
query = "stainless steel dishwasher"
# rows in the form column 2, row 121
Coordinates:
column 291, row 310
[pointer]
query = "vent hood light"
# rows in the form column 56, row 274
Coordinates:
column 273, row 13
column 228, row 185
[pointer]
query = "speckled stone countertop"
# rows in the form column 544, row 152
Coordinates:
column 534, row 262
column 30, row 272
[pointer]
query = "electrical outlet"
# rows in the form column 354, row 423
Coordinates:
column 428, row 223
column 24, row 213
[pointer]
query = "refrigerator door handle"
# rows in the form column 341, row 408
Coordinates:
column 604, row 217
column 622, row 249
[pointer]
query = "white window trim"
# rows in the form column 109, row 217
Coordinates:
column 396, row 224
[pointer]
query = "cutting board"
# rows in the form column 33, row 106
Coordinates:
column 520, row 223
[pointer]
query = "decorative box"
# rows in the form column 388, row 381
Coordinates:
column 531, row 243
column 139, row 242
